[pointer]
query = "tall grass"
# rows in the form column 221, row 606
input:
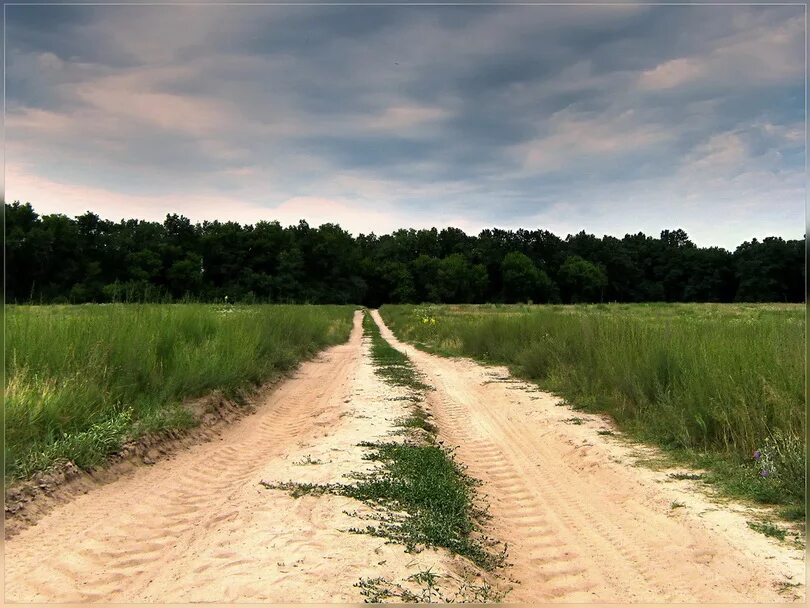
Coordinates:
column 715, row 381
column 79, row 379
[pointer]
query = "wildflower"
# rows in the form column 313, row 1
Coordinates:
column 764, row 473
column 757, row 455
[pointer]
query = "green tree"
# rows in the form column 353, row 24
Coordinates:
column 55, row 258
column 425, row 271
column 581, row 280
column 522, row 280
column 460, row 281
column 771, row 270
column 185, row 276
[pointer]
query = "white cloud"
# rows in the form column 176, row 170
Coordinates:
column 574, row 138
column 672, row 73
column 721, row 152
column 402, row 117
column 757, row 54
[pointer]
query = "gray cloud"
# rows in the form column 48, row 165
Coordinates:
column 604, row 118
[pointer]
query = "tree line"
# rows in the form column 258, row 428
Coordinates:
column 54, row 258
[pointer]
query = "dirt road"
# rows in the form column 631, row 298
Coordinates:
column 200, row 527
column 581, row 523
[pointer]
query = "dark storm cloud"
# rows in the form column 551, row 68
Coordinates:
column 495, row 115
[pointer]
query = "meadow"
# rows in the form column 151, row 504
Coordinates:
column 80, row 380
column 719, row 386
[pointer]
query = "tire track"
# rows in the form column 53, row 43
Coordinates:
column 579, row 528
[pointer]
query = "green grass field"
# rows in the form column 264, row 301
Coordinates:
column 82, row 379
column 711, row 384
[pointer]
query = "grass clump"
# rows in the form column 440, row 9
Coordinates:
column 419, row 419
column 427, row 483
column 86, row 449
column 768, row 529
column 80, row 380
column 690, row 476
column 426, row 495
column 423, row 588
column 711, row 384
column 307, row 460
column 297, row 490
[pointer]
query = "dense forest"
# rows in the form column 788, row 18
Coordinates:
column 54, row 258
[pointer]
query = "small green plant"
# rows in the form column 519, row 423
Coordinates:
column 786, row 587
column 768, row 529
column 429, row 588
column 781, row 460
column 676, row 505
column 419, row 419
column 690, row 476
column 374, row 590
column 426, row 587
column 297, row 490
column 307, row 460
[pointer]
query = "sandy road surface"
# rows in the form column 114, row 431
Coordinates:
column 200, row 527
column 581, row 523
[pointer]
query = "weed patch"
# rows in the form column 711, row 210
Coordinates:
column 424, row 588
column 768, row 529
column 307, row 460
column 681, row 476
column 428, row 487
column 86, row 449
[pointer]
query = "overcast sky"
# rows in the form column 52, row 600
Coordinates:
column 609, row 119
